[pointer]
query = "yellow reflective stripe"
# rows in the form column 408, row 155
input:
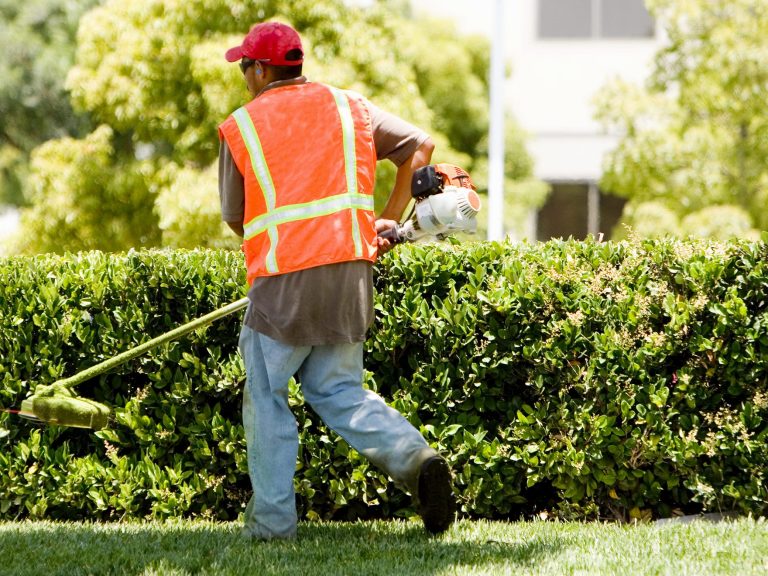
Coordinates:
column 348, row 133
column 260, row 169
column 350, row 159
column 305, row 210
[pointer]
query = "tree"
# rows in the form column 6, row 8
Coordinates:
column 694, row 142
column 38, row 40
column 152, row 74
column 85, row 196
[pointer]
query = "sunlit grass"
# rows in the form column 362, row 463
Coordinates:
column 397, row 548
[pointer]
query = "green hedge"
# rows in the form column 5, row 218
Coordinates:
column 569, row 379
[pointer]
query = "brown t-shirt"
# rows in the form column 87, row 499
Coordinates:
column 327, row 304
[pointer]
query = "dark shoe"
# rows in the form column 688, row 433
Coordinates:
column 437, row 505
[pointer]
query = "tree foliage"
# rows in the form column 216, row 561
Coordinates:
column 696, row 136
column 153, row 73
column 85, row 196
column 38, row 40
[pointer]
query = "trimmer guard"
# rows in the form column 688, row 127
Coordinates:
column 67, row 411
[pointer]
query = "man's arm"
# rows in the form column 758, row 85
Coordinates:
column 237, row 228
column 401, row 192
column 231, row 191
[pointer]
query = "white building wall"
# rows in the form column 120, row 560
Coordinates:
column 553, row 83
column 9, row 224
column 552, row 88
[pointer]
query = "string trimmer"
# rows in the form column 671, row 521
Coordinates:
column 57, row 404
column 445, row 203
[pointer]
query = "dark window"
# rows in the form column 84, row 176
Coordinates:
column 611, row 209
column 565, row 18
column 625, row 19
column 594, row 19
column 564, row 214
column 567, row 212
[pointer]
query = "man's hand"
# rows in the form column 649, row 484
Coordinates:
column 382, row 225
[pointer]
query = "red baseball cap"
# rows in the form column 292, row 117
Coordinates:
column 269, row 42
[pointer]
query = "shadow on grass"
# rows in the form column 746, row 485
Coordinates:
column 180, row 548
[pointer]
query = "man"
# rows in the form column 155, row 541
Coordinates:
column 296, row 175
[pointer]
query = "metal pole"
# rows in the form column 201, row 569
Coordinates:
column 496, row 136
column 593, row 209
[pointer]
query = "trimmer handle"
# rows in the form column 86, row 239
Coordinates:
column 394, row 235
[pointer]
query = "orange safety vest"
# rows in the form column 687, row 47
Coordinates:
column 308, row 160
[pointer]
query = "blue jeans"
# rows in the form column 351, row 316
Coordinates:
column 331, row 380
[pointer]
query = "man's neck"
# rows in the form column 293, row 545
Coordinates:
column 280, row 83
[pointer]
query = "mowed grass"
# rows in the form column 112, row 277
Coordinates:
column 738, row 547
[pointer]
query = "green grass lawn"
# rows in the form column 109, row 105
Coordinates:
column 399, row 548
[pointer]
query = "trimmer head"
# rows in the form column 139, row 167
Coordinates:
column 66, row 410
